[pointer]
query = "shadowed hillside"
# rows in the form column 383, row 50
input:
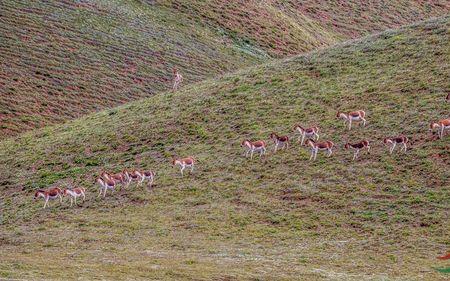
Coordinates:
column 64, row 59
column 352, row 18
column 382, row 217
column 283, row 27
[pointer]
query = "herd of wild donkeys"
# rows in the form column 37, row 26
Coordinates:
column 309, row 136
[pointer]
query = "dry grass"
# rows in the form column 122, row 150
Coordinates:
column 380, row 218
column 283, row 27
column 64, row 59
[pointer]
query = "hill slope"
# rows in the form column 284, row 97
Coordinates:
column 64, row 59
column 284, row 28
column 382, row 217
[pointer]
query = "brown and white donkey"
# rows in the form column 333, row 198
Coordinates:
column 364, row 144
column 254, row 146
column 316, row 146
column 47, row 194
column 353, row 116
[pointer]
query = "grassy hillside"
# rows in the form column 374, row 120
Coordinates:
column 282, row 27
column 64, row 59
column 259, row 23
column 352, row 18
column 382, row 217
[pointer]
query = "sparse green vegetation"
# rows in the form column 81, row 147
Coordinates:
column 285, row 27
column 64, row 59
column 380, row 218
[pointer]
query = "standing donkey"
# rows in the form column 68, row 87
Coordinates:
column 74, row 193
column 393, row 141
column 47, row 194
column 441, row 125
column 184, row 163
column 316, row 146
column 307, row 133
column 353, row 116
column 364, row 144
column 282, row 141
column 177, row 79
column 251, row 147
